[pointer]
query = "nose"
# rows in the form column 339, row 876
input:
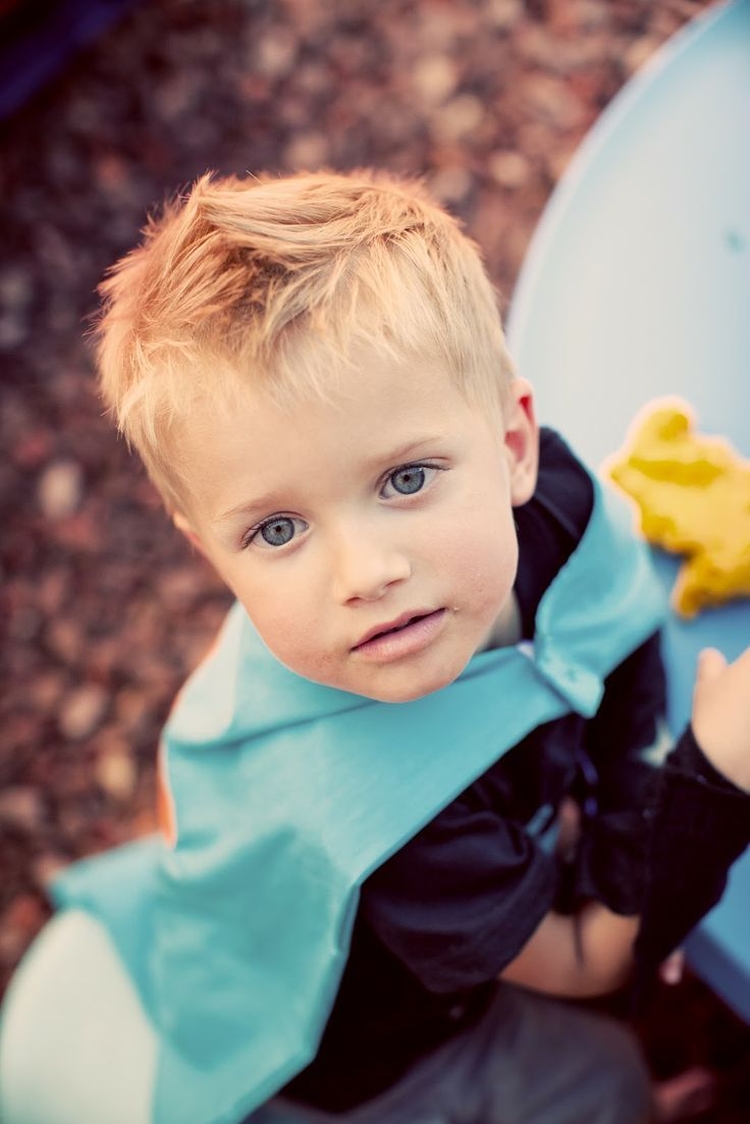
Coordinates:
column 365, row 565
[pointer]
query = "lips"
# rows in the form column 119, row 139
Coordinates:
column 397, row 625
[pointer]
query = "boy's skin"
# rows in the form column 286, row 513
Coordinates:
column 402, row 509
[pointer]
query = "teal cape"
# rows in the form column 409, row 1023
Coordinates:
column 288, row 794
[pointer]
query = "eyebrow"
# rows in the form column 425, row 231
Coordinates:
column 263, row 502
column 268, row 500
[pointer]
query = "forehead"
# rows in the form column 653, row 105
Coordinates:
column 355, row 395
column 373, row 409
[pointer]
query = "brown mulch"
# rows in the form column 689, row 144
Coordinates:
column 105, row 608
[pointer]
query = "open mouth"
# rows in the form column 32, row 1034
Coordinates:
column 415, row 623
column 399, row 627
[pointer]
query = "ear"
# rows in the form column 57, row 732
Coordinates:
column 521, row 441
column 185, row 527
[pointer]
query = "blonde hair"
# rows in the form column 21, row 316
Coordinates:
column 275, row 283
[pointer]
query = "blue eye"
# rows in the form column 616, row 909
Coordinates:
column 408, row 480
column 277, row 531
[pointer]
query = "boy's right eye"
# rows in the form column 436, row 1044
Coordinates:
column 276, row 531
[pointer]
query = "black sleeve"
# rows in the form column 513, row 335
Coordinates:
column 699, row 823
column 623, row 743
column 461, row 899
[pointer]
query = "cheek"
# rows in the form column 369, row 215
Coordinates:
column 482, row 561
column 288, row 624
column 285, row 611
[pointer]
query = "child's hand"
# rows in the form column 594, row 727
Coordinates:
column 721, row 714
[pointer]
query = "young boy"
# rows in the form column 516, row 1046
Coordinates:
column 445, row 636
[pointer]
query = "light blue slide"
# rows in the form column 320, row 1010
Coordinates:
column 636, row 286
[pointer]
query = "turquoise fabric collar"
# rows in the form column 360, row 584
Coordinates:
column 288, row 794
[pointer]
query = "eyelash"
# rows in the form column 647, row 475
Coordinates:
column 419, row 466
column 257, row 531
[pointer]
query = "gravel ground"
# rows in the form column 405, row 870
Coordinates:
column 105, row 608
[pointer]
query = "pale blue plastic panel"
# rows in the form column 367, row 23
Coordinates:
column 636, row 286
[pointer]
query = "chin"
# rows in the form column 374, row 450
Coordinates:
column 414, row 689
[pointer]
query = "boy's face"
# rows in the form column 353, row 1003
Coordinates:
column 370, row 537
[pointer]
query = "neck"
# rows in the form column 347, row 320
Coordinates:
column 506, row 629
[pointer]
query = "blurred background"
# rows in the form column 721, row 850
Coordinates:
column 105, row 108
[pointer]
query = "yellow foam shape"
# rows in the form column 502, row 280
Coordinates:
column 693, row 493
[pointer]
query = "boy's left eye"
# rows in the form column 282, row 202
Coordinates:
column 407, row 480
column 275, row 532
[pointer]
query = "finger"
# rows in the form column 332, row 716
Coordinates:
column 710, row 663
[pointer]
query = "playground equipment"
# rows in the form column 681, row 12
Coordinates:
column 637, row 286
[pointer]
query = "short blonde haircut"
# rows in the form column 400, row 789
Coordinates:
column 277, row 283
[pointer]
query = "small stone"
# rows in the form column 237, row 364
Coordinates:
column 450, row 185
column 16, row 288
column 459, row 117
column 504, row 14
column 307, row 151
column 435, row 78
column 22, row 808
column 176, row 97
column 65, row 639
column 509, row 169
column 82, row 712
column 60, row 489
column 312, row 78
column 553, row 100
column 276, row 52
column 116, row 774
